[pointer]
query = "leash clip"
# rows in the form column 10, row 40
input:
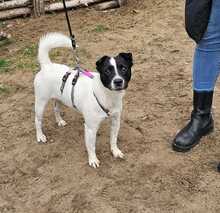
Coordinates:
column 72, row 37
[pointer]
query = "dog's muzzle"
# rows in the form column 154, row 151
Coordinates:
column 118, row 84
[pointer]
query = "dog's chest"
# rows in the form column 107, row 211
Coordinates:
column 114, row 106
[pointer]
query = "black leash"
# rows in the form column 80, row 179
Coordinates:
column 72, row 36
column 77, row 67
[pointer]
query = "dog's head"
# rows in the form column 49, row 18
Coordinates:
column 115, row 72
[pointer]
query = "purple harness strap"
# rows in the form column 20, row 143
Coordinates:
column 87, row 73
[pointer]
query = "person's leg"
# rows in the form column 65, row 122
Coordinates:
column 206, row 68
column 205, row 72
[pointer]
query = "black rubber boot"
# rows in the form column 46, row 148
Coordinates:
column 201, row 122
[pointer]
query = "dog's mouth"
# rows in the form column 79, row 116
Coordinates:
column 118, row 88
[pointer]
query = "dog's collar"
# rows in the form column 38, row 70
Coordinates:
column 101, row 106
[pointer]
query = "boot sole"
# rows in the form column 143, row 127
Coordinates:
column 188, row 148
column 218, row 168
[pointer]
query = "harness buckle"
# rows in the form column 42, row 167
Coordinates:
column 64, row 79
column 75, row 78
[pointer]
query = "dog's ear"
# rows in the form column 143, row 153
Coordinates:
column 100, row 62
column 127, row 57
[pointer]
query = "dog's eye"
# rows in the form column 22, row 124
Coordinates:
column 123, row 69
column 108, row 71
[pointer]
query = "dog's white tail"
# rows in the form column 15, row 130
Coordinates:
column 50, row 41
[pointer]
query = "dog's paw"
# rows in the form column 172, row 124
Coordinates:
column 117, row 153
column 61, row 123
column 41, row 138
column 94, row 162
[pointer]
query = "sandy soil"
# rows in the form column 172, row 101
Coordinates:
column 55, row 177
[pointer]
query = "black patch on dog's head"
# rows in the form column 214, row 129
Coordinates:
column 106, row 70
column 127, row 57
column 124, row 62
column 108, row 74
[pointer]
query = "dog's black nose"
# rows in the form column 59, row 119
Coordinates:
column 118, row 82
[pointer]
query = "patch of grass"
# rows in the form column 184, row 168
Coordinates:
column 84, row 54
column 27, row 65
column 24, row 65
column 26, row 59
column 100, row 28
column 4, row 89
column 4, row 65
column 62, row 55
column 55, row 53
column 30, row 51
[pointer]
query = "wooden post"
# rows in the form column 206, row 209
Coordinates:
column 41, row 7
column 38, row 7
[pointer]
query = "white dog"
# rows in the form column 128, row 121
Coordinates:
column 96, row 98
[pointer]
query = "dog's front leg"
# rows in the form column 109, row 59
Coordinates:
column 115, row 126
column 90, row 139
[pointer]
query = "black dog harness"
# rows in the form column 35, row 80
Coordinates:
column 74, row 81
column 64, row 79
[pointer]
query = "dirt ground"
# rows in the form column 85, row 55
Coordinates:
column 55, row 177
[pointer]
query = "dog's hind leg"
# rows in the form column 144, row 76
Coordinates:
column 59, row 119
column 39, row 110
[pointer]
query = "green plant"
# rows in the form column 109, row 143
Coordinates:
column 100, row 28
column 27, row 58
column 30, row 51
column 4, row 65
column 4, row 89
